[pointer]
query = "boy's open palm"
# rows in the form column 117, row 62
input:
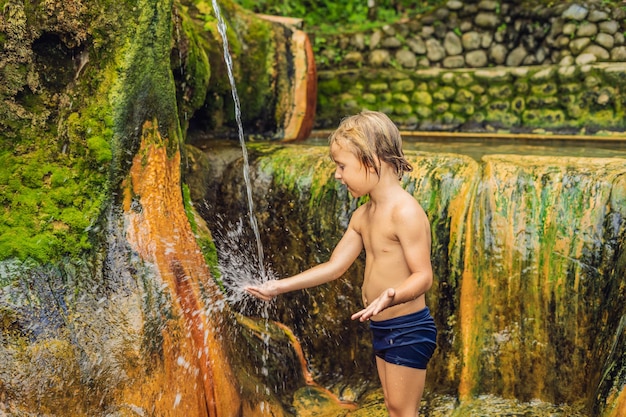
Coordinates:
column 376, row 306
column 265, row 291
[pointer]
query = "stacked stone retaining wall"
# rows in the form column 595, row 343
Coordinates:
column 566, row 99
column 484, row 65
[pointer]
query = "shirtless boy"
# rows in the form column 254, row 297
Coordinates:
column 394, row 231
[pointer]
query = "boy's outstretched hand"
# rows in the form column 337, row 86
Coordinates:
column 376, row 306
column 265, row 291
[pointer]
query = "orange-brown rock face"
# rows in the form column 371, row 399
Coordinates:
column 299, row 102
column 300, row 121
column 196, row 378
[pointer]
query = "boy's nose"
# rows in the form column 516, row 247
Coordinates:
column 337, row 175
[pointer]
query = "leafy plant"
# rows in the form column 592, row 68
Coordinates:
column 328, row 16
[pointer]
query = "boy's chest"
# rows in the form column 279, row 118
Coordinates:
column 378, row 233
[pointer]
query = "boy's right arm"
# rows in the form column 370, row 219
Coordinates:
column 344, row 254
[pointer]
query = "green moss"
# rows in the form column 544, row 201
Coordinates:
column 202, row 234
column 251, row 45
column 444, row 93
column 330, row 87
column 143, row 87
column 256, row 68
column 57, row 150
column 544, row 118
column 190, row 65
column 100, row 148
column 502, row 118
column 49, row 197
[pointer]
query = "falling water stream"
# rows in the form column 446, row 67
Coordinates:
column 221, row 26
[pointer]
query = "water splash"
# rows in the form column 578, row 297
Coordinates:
column 221, row 27
column 236, row 272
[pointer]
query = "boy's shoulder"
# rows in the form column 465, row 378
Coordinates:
column 402, row 196
column 407, row 205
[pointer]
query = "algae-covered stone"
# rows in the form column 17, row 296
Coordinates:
column 441, row 107
column 400, row 98
column 500, row 91
column 314, row 401
column 521, row 86
column 605, row 117
column 575, row 110
column 570, row 88
column 356, row 89
column 447, row 78
column 330, row 86
column 463, row 79
column 477, row 89
column 465, row 109
column 502, row 118
column 380, row 86
column 546, row 89
column 478, row 118
column 349, row 104
column 500, row 105
column 422, row 97
column 422, row 86
column 403, row 109
column 423, row 112
column 369, row 98
column 403, row 85
column 538, row 102
column 544, row 117
column 464, row 96
column 408, row 121
column 518, row 105
column 444, row 93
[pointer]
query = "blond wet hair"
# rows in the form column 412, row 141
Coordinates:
column 374, row 139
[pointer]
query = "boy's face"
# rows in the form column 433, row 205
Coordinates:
column 350, row 171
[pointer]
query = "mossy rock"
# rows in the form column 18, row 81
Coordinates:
column 544, row 118
column 500, row 92
column 502, row 118
column 422, row 98
column 444, row 93
column 311, row 401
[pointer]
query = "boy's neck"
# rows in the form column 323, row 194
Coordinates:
column 387, row 186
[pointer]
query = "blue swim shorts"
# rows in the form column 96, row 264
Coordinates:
column 406, row 340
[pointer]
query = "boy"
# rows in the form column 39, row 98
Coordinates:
column 394, row 231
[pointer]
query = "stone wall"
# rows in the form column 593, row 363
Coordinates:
column 484, row 65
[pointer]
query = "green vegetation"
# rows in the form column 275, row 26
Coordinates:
column 57, row 131
column 50, row 203
column 53, row 185
column 203, row 236
column 330, row 17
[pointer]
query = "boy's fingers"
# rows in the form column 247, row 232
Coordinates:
column 357, row 315
column 254, row 291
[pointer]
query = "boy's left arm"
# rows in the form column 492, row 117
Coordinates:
column 415, row 241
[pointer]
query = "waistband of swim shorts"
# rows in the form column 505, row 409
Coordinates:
column 407, row 320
